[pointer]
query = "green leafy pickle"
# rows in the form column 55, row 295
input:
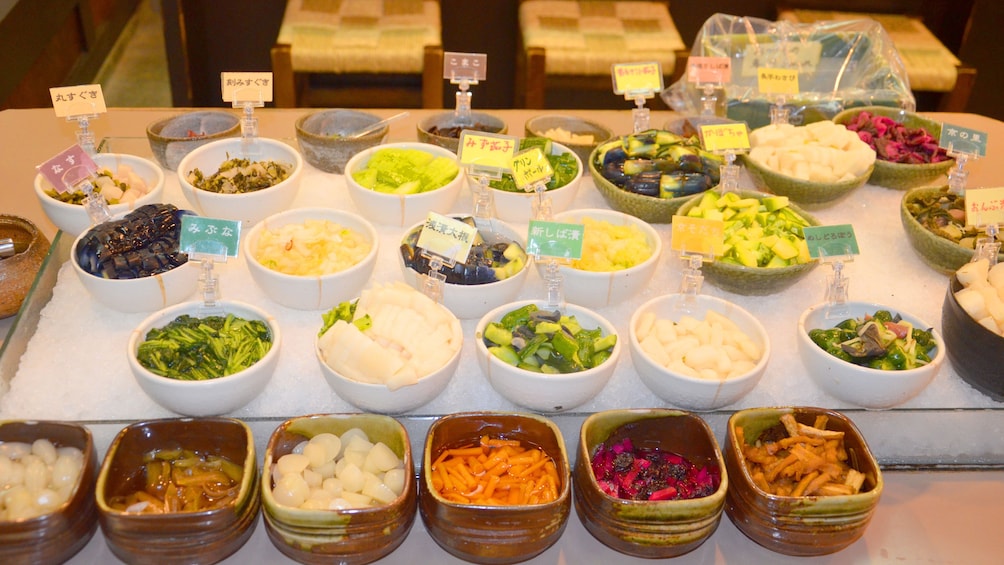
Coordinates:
column 193, row 348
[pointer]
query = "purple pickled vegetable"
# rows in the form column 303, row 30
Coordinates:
column 623, row 471
column 895, row 142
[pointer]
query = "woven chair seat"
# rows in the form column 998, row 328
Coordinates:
column 359, row 36
column 586, row 38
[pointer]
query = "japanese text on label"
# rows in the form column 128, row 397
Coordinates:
column 82, row 100
column 209, row 236
column 709, row 70
column 246, row 87
column 67, row 168
column 555, row 239
column 637, row 78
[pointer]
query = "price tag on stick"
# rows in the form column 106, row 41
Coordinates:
column 698, row 235
column 489, row 153
column 833, row 245
column 555, row 239
column 529, row 168
column 637, row 81
column 210, row 237
column 80, row 104
column 830, row 241
column 957, row 139
column 82, row 100
column 709, row 70
column 208, row 240
column 66, row 169
column 447, row 237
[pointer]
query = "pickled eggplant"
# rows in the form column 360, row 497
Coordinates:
column 142, row 243
column 658, row 163
column 492, row 258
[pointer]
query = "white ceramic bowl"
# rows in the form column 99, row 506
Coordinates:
column 312, row 292
column 210, row 397
column 382, row 400
column 517, row 207
column 73, row 219
column 145, row 294
column 401, row 210
column 247, row 207
column 474, row 300
column 594, row 289
column 545, row 392
column 379, row 398
column 863, row 386
column 683, row 390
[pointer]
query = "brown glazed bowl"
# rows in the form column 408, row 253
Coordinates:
column 494, row 534
column 802, row 525
column 351, row 536
column 17, row 272
column 645, row 528
column 57, row 536
column 206, row 536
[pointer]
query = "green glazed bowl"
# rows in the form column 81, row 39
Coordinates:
column 753, row 281
column 901, row 176
column 648, row 208
column 646, row 528
column 942, row 255
column 798, row 525
column 804, row 192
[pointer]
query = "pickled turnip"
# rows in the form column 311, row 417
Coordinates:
column 325, row 476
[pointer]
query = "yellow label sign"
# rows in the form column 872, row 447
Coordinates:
column 698, row 236
column 82, row 100
column 637, row 78
column 724, row 137
column 530, row 167
column 486, row 150
column 984, row 206
column 246, row 87
column 777, row 81
column 446, row 237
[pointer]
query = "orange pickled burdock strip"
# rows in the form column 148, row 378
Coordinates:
column 495, row 472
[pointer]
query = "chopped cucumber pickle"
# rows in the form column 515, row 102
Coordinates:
column 547, row 341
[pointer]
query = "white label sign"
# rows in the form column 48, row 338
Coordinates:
column 82, row 100
column 246, row 87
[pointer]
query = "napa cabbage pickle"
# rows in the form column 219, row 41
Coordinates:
column 547, row 341
column 881, row 341
column 194, row 349
column 345, row 311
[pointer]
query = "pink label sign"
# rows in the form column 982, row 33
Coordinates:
column 68, row 168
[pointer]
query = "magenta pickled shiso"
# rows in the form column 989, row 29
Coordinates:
column 630, row 473
column 896, row 143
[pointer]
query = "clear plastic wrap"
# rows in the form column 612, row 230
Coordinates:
column 841, row 64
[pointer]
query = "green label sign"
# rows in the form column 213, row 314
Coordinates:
column 209, row 236
column 963, row 140
column 831, row 241
column 555, row 239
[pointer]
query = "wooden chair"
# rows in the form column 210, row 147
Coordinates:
column 930, row 66
column 567, row 48
column 359, row 53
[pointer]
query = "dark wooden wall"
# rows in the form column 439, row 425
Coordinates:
column 48, row 43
